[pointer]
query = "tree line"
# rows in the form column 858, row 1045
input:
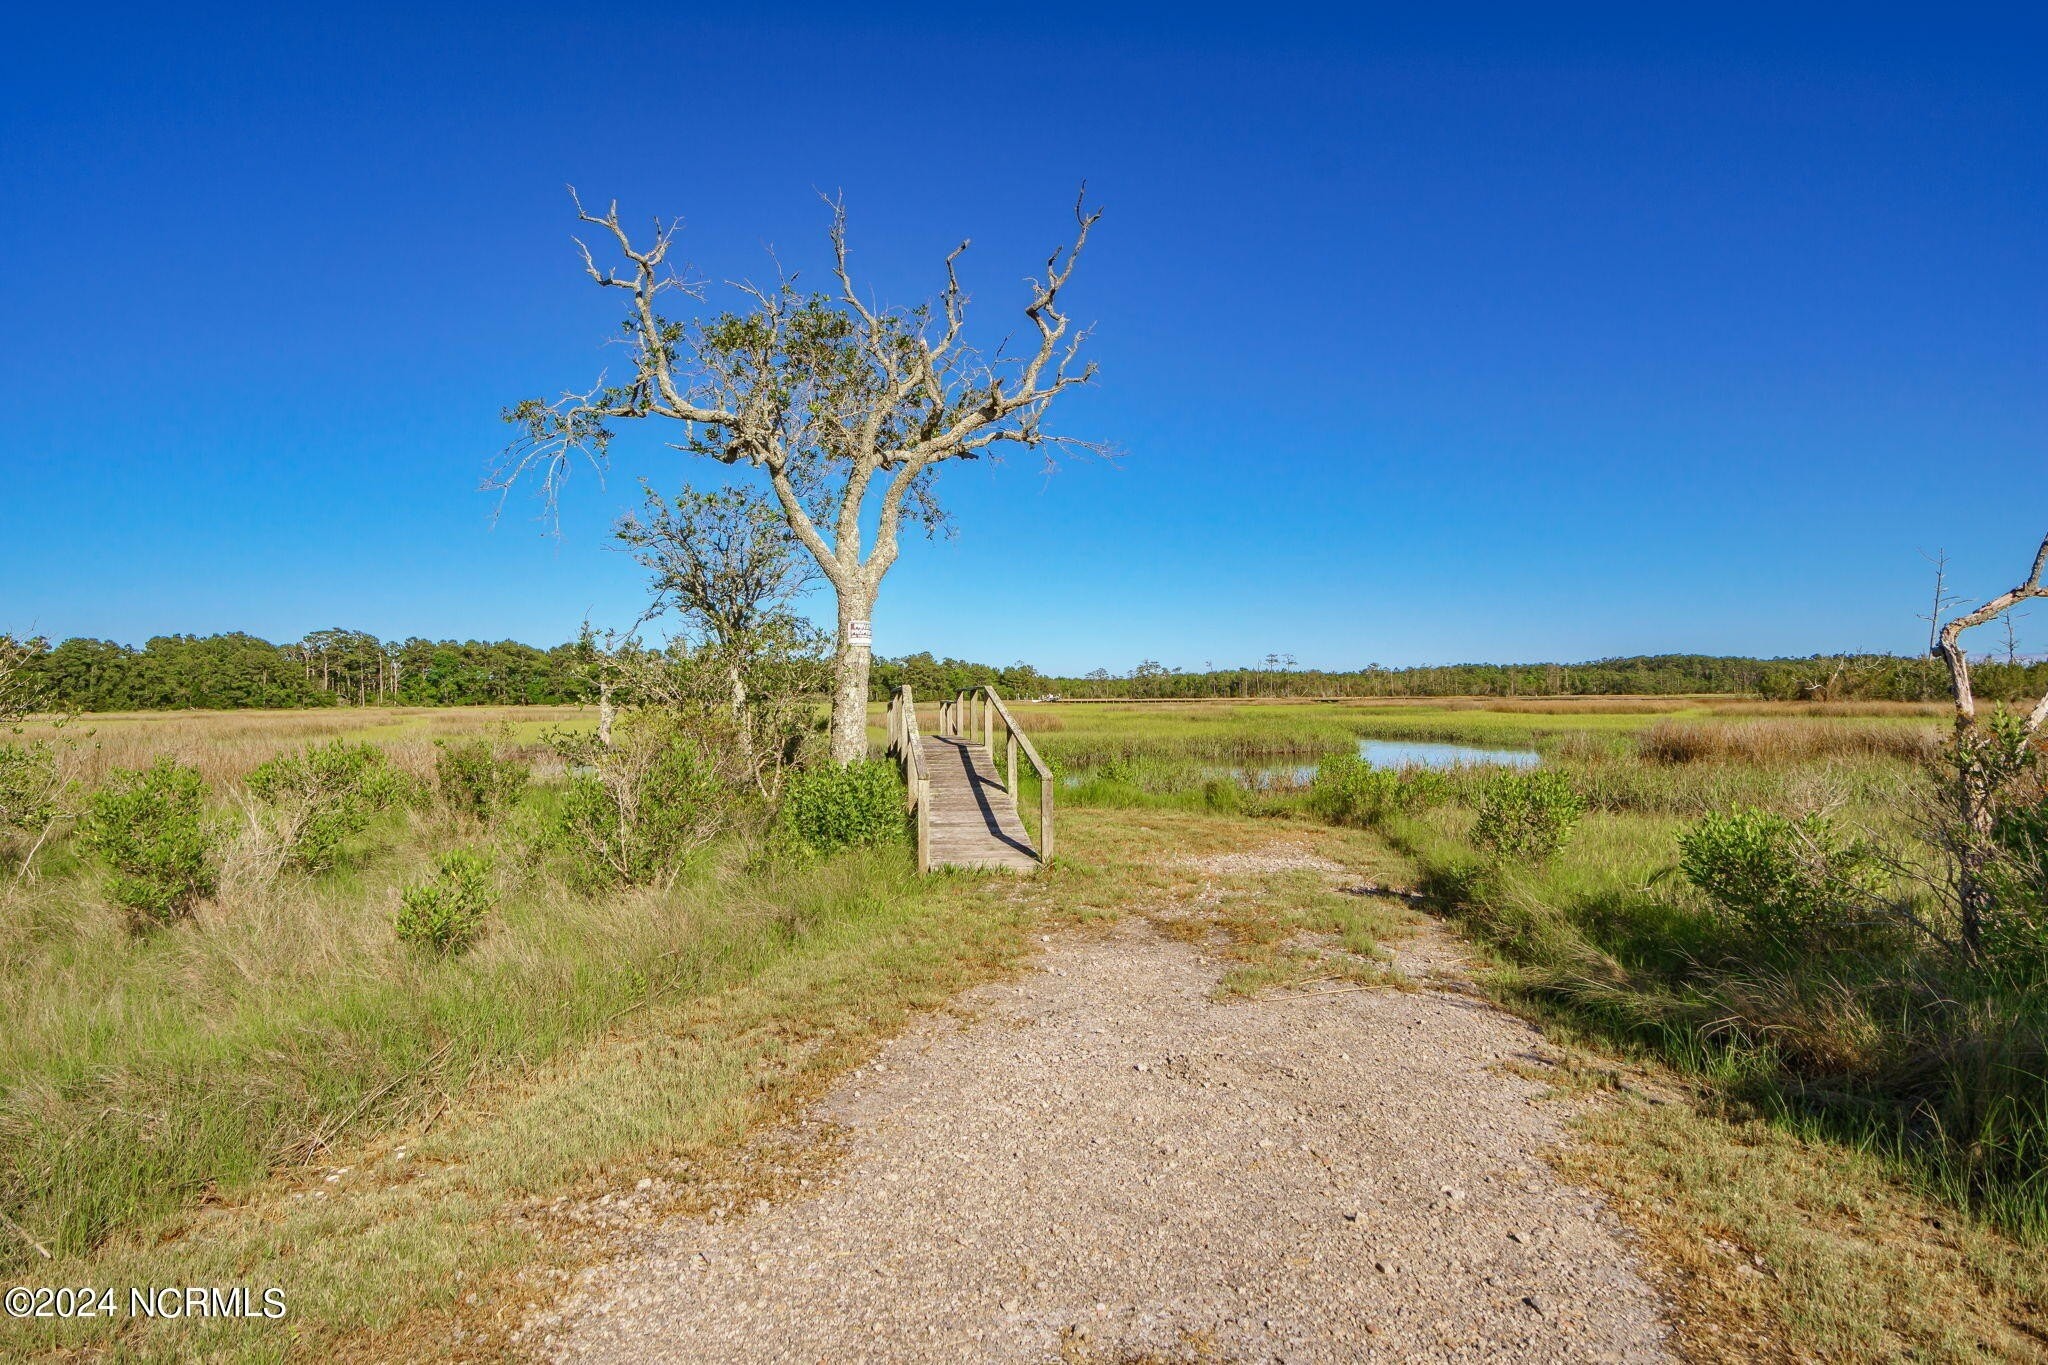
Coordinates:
column 356, row 668
column 327, row 668
column 1820, row 677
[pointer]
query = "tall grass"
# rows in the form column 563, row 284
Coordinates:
column 225, row 746
column 1770, row 743
column 140, row 1073
column 1874, row 1039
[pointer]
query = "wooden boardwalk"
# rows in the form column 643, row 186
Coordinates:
column 963, row 795
column 974, row 821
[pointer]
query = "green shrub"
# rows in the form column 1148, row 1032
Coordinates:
column 151, row 828
column 635, row 812
column 2016, row 930
column 324, row 796
column 1789, row 880
column 29, row 786
column 1527, row 815
column 446, row 911
column 829, row 808
column 474, row 780
column 1223, row 795
column 1349, row 791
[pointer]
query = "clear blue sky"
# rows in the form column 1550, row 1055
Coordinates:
column 1428, row 334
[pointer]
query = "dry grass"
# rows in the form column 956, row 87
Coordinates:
column 1577, row 706
column 226, row 745
column 1892, row 710
column 1775, row 743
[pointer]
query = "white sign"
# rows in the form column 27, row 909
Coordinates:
column 860, row 633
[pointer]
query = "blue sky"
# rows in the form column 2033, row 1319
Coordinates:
column 1426, row 335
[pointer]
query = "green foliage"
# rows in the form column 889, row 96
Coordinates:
column 1793, row 881
column 635, row 812
column 445, row 912
column 2016, row 932
column 150, row 827
column 1527, row 815
column 324, row 796
column 474, row 780
column 1348, row 790
column 830, row 807
column 28, row 786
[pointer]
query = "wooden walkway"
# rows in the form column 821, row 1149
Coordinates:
column 963, row 795
column 974, row 822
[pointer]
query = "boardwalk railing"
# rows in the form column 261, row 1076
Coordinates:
column 973, row 716
column 906, row 746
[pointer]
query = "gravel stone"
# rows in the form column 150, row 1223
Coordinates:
column 1014, row 1188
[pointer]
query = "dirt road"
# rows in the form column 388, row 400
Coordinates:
column 1100, row 1161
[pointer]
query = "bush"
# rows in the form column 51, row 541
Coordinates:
column 150, row 827
column 1528, row 814
column 1224, row 796
column 2016, row 932
column 830, row 808
column 635, row 812
column 323, row 797
column 1348, row 790
column 474, row 781
column 1792, row 881
column 29, row 787
column 446, row 911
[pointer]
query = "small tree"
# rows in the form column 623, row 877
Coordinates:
column 726, row 563
column 1987, row 754
column 832, row 397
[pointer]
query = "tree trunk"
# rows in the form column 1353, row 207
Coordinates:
column 742, row 719
column 1974, row 804
column 604, row 711
column 850, row 677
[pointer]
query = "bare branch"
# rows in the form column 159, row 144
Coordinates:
column 1948, row 646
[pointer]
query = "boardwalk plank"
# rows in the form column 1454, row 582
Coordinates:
column 972, row 820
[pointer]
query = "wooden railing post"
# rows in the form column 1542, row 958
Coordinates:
column 1044, row 819
column 1010, row 781
column 924, row 826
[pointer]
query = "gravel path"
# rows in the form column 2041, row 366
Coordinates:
column 1099, row 1162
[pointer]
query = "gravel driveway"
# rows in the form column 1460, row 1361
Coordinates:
column 1098, row 1161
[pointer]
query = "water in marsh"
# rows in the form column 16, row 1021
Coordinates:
column 1377, row 753
column 1408, row 753
column 1389, row 753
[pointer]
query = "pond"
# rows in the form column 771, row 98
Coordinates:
column 1391, row 753
column 1377, row 753
column 1408, row 753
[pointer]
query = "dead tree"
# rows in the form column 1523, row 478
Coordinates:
column 1985, row 755
column 844, row 406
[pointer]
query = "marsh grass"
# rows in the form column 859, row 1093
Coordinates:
column 225, row 746
column 1769, row 743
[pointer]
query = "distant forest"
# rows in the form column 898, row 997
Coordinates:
column 355, row 668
